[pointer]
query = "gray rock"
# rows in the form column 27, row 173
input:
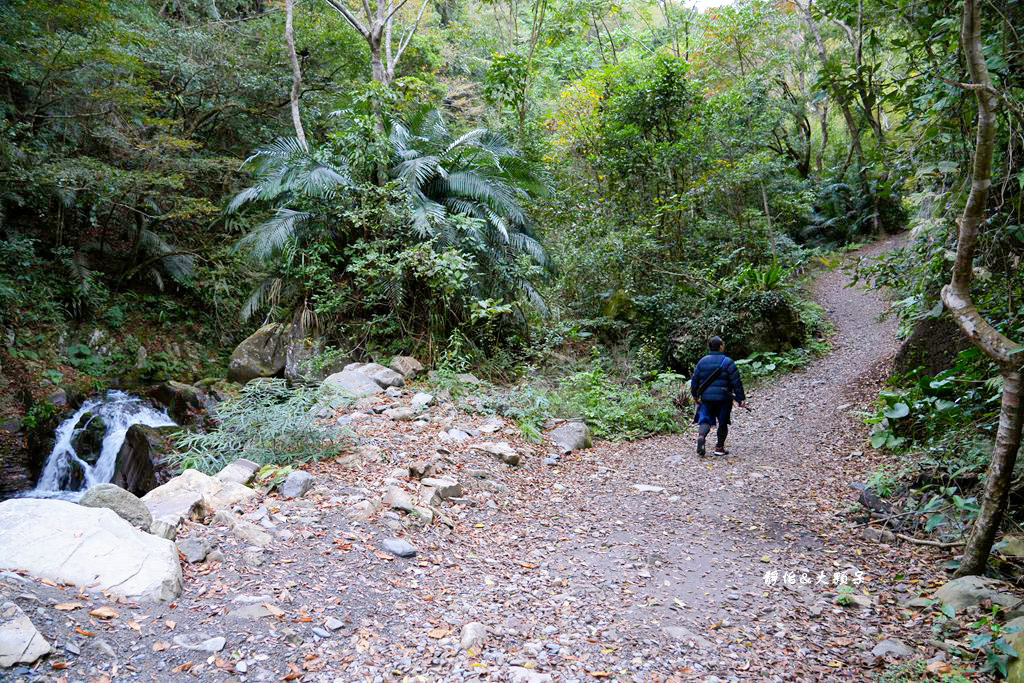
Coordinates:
column 519, row 674
column 571, row 436
column 20, row 642
column 685, row 635
column 468, row 378
column 398, row 547
column 296, row 485
column 201, row 643
column 192, row 495
column 252, row 557
column 393, row 392
column 352, row 384
column 250, row 533
column 333, row 623
column 125, row 504
column 647, row 488
column 502, row 451
column 254, row 611
column 87, row 547
column 385, row 377
column 215, row 556
column 261, row 354
column 892, row 647
column 879, row 535
column 552, row 460
column 194, row 549
column 400, row 414
column 165, row 527
column 407, row 366
column 473, row 636
column 446, row 488
column 970, row 591
column 399, row 500
column 421, row 401
column 240, row 471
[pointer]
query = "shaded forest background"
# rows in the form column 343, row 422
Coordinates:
column 570, row 194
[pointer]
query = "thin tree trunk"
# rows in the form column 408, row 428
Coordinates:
column 957, row 298
column 289, row 38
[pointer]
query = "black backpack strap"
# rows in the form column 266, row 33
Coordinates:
column 711, row 378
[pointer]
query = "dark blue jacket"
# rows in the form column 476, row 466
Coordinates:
column 726, row 387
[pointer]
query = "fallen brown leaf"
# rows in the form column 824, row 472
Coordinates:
column 104, row 612
column 68, row 606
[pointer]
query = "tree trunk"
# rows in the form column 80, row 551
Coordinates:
column 957, row 298
column 289, row 38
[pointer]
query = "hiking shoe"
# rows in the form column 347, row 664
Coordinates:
column 721, row 451
column 701, row 451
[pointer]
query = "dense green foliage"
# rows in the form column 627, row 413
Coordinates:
column 534, row 182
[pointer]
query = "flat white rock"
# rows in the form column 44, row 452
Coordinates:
column 20, row 642
column 92, row 548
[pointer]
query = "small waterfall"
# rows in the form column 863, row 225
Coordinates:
column 119, row 411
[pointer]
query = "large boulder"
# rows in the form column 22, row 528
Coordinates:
column 385, row 377
column 141, row 461
column 92, row 548
column 20, row 642
column 571, row 436
column 970, row 591
column 261, row 354
column 352, row 384
column 299, row 352
column 194, row 495
column 407, row 366
column 184, row 403
column 126, row 505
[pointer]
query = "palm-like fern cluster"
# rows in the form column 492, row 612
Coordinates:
column 462, row 193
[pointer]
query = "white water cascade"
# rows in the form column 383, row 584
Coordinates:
column 119, row 411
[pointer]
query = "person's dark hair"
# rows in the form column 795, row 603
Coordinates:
column 715, row 343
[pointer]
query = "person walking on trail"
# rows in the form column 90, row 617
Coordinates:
column 715, row 385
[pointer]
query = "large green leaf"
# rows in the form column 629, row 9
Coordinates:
column 897, row 411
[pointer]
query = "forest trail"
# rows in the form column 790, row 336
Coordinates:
column 573, row 572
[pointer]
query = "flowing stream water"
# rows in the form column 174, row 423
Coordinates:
column 119, row 411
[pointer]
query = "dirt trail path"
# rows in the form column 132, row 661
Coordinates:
column 576, row 574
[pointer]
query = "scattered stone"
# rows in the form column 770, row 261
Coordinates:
column 428, row 496
column 254, row 611
column 88, row 547
column 192, row 494
column 351, row 384
column 456, row 435
column 571, row 436
column 400, row 414
column 892, row 647
column 398, row 547
column 20, row 642
column 296, row 485
column 384, row 377
column 194, row 549
column 240, row 471
column 165, row 528
column 468, row 378
column 646, row 488
column 363, row 510
column 502, row 451
column 253, row 557
column 202, row 643
column 552, row 460
column 421, row 401
column 473, row 636
column 685, row 635
column 407, row 366
column 398, row 499
column 446, row 488
column 127, row 506
column 879, row 535
column 333, row 623
column 250, row 533
column 520, row 674
column 215, row 556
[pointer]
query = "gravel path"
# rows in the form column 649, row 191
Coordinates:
column 714, row 569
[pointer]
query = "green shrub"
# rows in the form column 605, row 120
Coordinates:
column 267, row 423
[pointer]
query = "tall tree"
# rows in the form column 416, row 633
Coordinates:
column 378, row 27
column 289, row 39
column 957, row 298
